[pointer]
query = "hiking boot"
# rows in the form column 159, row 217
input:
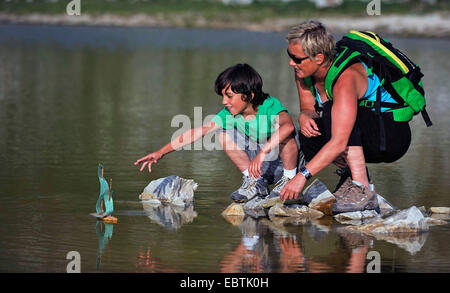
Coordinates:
column 250, row 188
column 344, row 173
column 279, row 186
column 352, row 197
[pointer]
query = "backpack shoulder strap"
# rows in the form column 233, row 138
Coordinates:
column 381, row 46
column 309, row 81
column 345, row 58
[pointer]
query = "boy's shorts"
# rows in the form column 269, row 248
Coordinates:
column 272, row 167
column 365, row 133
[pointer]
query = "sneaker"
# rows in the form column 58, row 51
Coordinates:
column 352, row 197
column 279, row 186
column 250, row 188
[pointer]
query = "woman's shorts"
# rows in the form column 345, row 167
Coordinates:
column 272, row 168
column 365, row 133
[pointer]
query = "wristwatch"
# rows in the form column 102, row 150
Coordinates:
column 305, row 172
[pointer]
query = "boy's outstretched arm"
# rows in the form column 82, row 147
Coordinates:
column 284, row 128
column 185, row 138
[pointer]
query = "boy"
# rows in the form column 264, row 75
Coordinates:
column 255, row 131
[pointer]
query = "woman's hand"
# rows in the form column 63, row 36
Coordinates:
column 308, row 126
column 255, row 165
column 293, row 188
column 148, row 160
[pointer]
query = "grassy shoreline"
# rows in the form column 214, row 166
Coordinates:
column 212, row 9
column 412, row 18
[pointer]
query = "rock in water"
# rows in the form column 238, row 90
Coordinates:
column 440, row 210
column 323, row 203
column 403, row 221
column 270, row 201
column 234, row 209
column 384, row 205
column 254, row 207
column 234, row 220
column 172, row 189
column 314, row 190
column 441, row 216
column 319, row 197
column 435, row 222
column 280, row 210
column 317, row 192
column 358, row 215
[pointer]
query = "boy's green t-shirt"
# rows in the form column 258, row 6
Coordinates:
column 258, row 129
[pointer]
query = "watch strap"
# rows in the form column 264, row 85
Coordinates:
column 305, row 172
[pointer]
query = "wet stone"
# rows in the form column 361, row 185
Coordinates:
column 234, row 220
column 315, row 191
column 270, row 202
column 440, row 216
column 278, row 210
column 234, row 209
column 384, row 205
column 283, row 221
column 255, row 208
column 171, row 190
column 359, row 215
column 318, row 197
column 435, row 222
column 440, row 210
column 323, row 202
column 403, row 221
column 296, row 210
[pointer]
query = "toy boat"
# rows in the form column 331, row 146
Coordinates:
column 105, row 204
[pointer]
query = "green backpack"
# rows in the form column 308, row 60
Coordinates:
column 401, row 78
column 398, row 74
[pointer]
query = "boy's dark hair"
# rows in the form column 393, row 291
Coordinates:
column 242, row 79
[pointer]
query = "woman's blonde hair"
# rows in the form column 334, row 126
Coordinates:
column 314, row 38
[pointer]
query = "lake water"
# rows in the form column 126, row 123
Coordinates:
column 73, row 97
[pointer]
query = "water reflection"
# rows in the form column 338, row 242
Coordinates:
column 146, row 262
column 284, row 244
column 169, row 216
column 252, row 253
column 412, row 243
column 104, row 233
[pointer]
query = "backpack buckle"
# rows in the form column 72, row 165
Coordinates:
column 367, row 103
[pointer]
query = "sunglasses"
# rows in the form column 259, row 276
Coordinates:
column 295, row 59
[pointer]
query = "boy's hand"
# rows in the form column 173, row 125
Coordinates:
column 293, row 188
column 255, row 165
column 148, row 160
